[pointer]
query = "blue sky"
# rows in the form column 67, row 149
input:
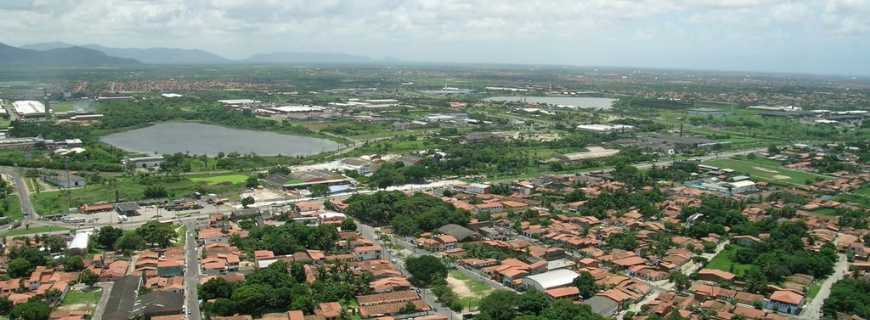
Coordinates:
column 806, row 36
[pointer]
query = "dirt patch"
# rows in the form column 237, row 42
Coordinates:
column 781, row 177
column 459, row 287
column 765, row 170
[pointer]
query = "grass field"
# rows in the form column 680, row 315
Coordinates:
column 231, row 178
column 725, row 260
column 20, row 232
column 767, row 170
column 469, row 290
column 813, row 289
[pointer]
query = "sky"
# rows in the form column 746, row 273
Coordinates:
column 801, row 36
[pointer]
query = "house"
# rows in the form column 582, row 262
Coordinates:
column 363, row 253
column 715, row 275
column 563, row 293
column 390, row 303
column 170, row 267
column 328, row 310
column 785, row 301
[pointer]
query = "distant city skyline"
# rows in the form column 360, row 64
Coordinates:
column 812, row 36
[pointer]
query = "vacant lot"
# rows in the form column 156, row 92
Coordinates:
column 81, row 300
column 765, row 169
column 32, row 230
column 469, row 290
column 725, row 261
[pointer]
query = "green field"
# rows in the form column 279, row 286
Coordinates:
column 478, row 289
column 230, row 178
column 768, row 170
column 82, row 297
column 725, row 261
column 32, row 230
column 14, row 208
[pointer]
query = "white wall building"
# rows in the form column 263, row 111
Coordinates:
column 29, row 108
column 551, row 279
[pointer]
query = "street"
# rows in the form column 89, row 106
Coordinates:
column 813, row 310
column 191, row 274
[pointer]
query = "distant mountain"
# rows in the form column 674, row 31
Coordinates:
column 146, row 55
column 196, row 56
column 10, row 55
column 306, row 57
column 164, row 55
column 48, row 46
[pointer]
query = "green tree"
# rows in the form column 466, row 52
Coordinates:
column 19, row 267
column 348, row 225
column 499, row 305
column 5, row 306
column 88, row 277
column 426, row 270
column 31, row 310
column 252, row 182
column 246, row 201
column 73, row 263
column 107, row 236
column 216, row 288
column 586, row 284
column 156, row 233
column 253, row 298
column 130, row 241
column 680, row 280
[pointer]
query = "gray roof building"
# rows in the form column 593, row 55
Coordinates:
column 459, row 232
column 602, row 306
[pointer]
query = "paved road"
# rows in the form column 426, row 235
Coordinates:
column 813, row 310
column 23, row 193
column 104, row 299
column 191, row 275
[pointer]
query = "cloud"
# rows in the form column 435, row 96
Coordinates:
column 532, row 30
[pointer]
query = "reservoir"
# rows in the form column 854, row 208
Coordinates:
column 205, row 139
column 568, row 102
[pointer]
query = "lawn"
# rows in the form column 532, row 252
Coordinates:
column 765, row 169
column 41, row 229
column 230, row 178
column 181, row 235
column 469, row 290
column 725, row 261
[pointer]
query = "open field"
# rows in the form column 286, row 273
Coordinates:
column 129, row 189
column 230, row 178
column 725, row 261
column 469, row 290
column 767, row 170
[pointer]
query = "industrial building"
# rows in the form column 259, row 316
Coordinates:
column 605, row 128
column 551, row 279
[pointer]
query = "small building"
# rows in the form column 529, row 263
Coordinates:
column 603, row 306
column 459, row 232
column 742, row 186
column 149, row 163
column 127, row 208
column 65, row 181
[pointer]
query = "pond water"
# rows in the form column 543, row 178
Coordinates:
column 572, row 102
column 199, row 139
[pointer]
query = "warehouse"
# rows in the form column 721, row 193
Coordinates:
column 551, row 279
column 28, row 109
column 605, row 128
